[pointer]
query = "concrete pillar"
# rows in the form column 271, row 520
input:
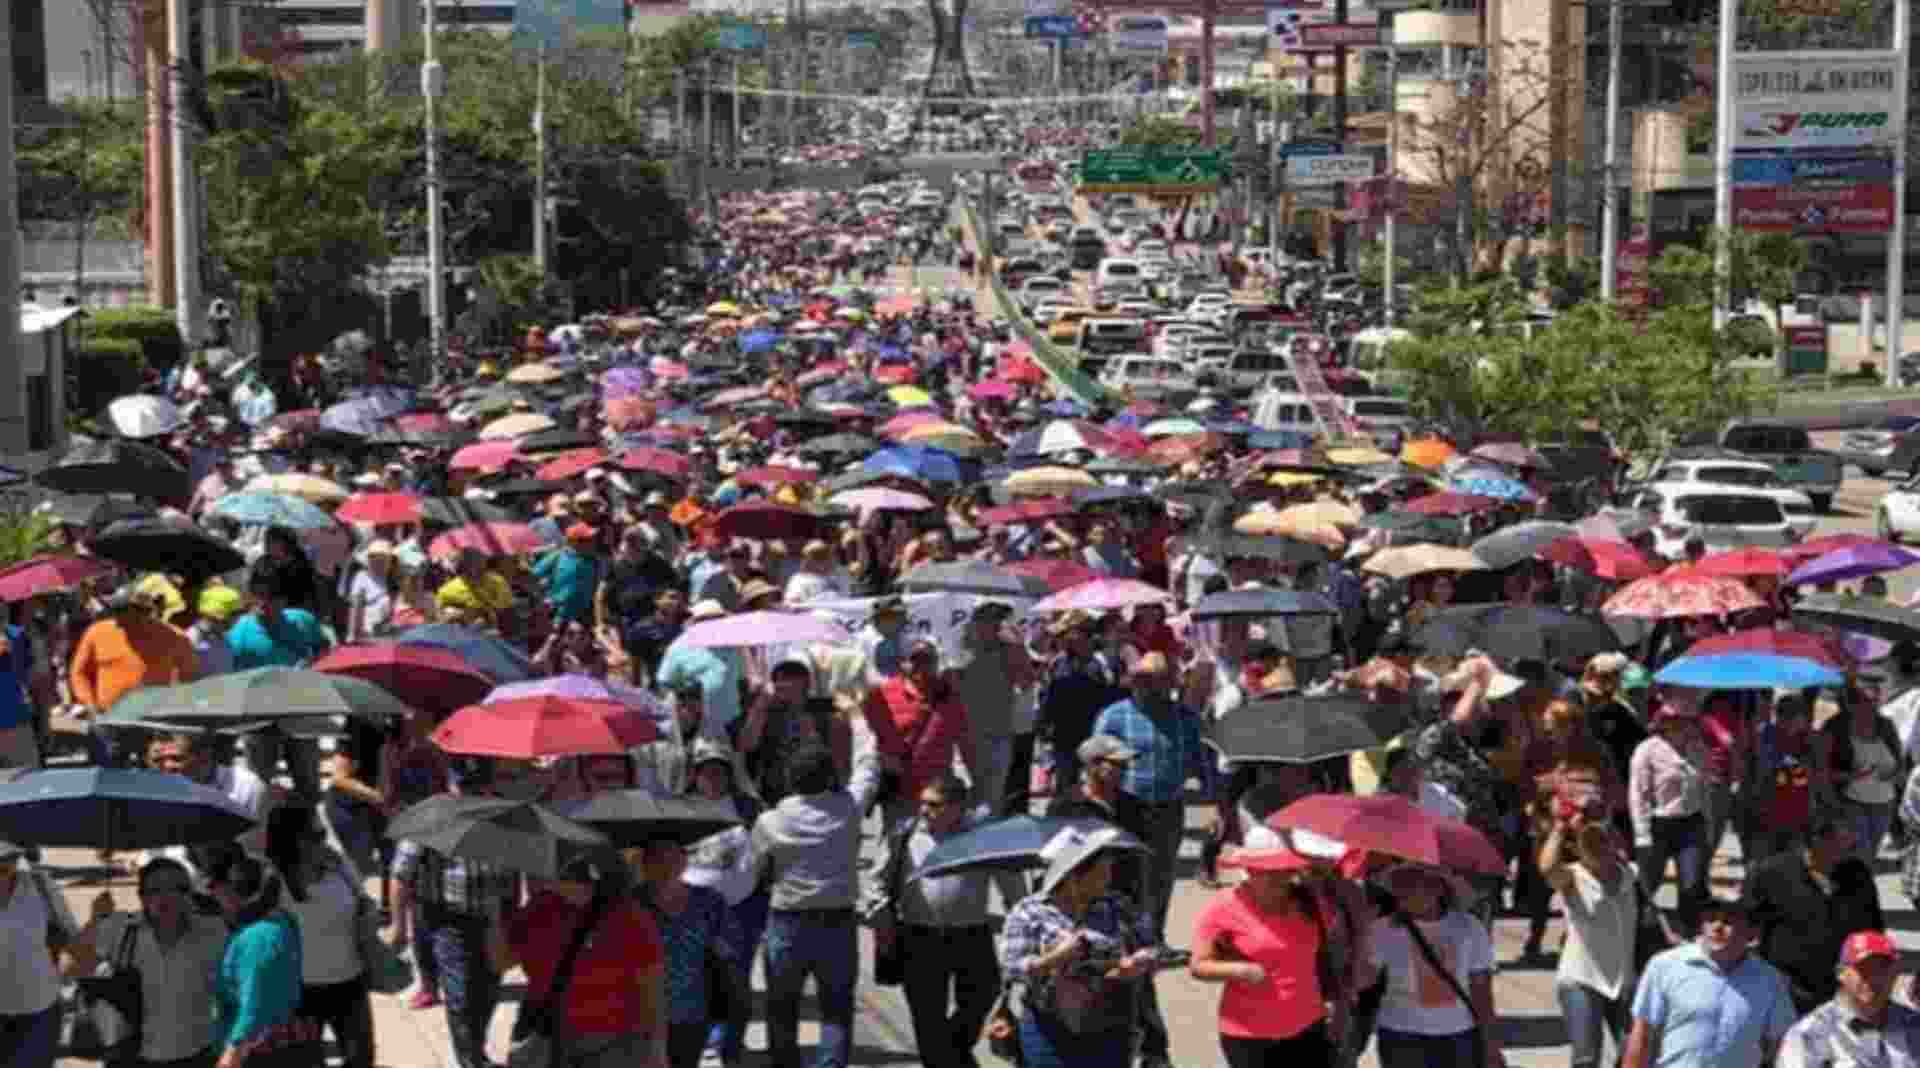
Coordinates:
column 1659, row 153
column 159, row 165
column 13, row 417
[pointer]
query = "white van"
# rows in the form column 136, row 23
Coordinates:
column 1379, row 415
column 1139, row 372
column 1276, row 410
column 1249, row 368
column 1116, row 269
column 1108, row 337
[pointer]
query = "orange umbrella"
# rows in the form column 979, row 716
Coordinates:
column 1426, row 452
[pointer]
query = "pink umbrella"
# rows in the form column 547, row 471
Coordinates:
column 1057, row 574
column 726, row 398
column 46, row 574
column 821, row 373
column 906, row 421
column 663, row 462
column 485, row 456
column 493, row 539
column 1104, row 595
column 763, row 628
column 1675, row 596
column 880, row 498
column 663, row 367
column 994, row 389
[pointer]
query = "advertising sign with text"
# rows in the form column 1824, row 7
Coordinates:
column 1806, row 100
column 1137, row 33
column 1835, row 209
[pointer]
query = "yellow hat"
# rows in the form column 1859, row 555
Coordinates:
column 159, row 588
column 220, row 603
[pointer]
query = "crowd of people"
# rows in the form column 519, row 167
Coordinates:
column 796, row 444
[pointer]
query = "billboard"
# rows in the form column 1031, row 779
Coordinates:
column 1137, row 33
column 1865, row 207
column 561, row 23
column 1810, row 100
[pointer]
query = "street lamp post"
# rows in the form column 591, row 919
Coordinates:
column 1610, row 219
column 432, row 80
column 188, row 314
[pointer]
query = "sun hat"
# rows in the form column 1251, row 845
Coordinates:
column 755, row 589
column 219, row 603
column 706, row 609
column 1073, row 847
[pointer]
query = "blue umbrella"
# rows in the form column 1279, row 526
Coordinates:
column 1504, row 489
column 1012, row 844
column 115, row 808
column 1747, row 671
column 759, row 340
column 916, row 462
column 390, row 400
column 488, row 654
column 360, row 417
column 1279, row 439
column 270, row 509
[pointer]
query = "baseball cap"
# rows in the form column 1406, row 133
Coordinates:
column 1861, row 945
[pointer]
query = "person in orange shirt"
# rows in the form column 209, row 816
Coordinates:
column 128, row 649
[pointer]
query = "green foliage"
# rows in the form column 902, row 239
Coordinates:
column 1158, row 131
column 90, row 165
column 1763, row 268
column 688, row 44
column 100, row 369
column 152, row 330
column 23, row 535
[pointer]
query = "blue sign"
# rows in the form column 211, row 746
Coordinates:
column 1290, row 149
column 740, row 37
column 1053, row 26
column 863, row 39
column 1766, row 170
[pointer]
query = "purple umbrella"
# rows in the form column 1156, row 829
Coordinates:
column 763, row 628
column 574, row 687
column 1852, row 562
column 1104, row 595
column 625, row 382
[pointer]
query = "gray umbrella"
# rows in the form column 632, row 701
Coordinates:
column 1522, row 541
column 966, row 576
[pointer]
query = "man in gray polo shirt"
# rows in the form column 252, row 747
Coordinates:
column 993, row 670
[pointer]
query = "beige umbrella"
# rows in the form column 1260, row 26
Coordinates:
column 535, row 373
column 1354, row 457
column 1405, row 561
column 310, row 488
column 514, row 426
column 1267, row 522
column 1324, row 511
column 1049, row 482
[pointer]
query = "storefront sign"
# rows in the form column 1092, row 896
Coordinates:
column 1861, row 208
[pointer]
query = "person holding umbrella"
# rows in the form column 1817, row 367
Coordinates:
column 1064, row 952
column 35, row 927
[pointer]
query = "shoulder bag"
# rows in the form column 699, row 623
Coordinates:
column 890, row 958
column 101, row 1015
column 532, row 1044
column 1433, row 961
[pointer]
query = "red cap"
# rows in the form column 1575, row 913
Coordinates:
column 581, row 532
column 1863, row 944
column 1279, row 858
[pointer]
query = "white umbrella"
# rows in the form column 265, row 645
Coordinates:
column 142, row 415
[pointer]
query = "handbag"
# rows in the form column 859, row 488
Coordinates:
column 101, row 1014
column 890, row 957
column 1005, row 1007
column 383, row 968
column 1444, row 972
column 532, row 1044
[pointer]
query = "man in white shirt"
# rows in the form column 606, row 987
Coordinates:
column 32, row 918
column 191, row 755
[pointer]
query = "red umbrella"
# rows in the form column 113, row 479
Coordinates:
column 570, row 463
column 663, row 462
column 1739, row 563
column 1033, row 510
column 484, row 456
column 764, row 519
column 776, row 476
column 423, row 423
column 493, row 539
column 1796, row 555
column 1671, row 595
column 1449, row 503
column 1022, row 371
column 1392, row 825
column 49, row 574
column 1599, row 557
column 1815, row 647
column 380, row 508
column 896, row 374
column 534, row 727
column 425, row 676
column 1057, row 574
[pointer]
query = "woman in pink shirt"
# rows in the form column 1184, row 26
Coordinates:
column 1723, row 726
column 1260, row 939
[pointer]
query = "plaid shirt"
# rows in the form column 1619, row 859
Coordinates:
column 468, row 888
column 1167, row 750
column 1113, row 928
column 1831, row 1036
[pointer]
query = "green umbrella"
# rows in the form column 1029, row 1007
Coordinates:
column 1414, row 526
column 262, row 695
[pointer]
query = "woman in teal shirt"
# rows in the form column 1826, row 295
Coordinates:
column 258, row 984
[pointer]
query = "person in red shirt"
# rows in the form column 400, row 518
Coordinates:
column 917, row 717
column 1152, row 633
column 614, row 1010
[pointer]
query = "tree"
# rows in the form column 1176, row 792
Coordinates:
column 1156, row 131
column 89, row 165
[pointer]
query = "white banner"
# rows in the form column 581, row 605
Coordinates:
column 1137, row 33
column 1326, row 170
column 941, row 616
column 1807, row 100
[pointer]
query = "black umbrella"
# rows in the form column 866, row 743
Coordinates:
column 115, row 808
column 555, row 441
column 395, row 437
column 838, row 445
column 1260, row 603
column 93, row 509
column 1012, row 844
column 805, row 420
column 516, row 835
column 116, row 466
column 1520, row 542
column 1252, row 547
column 1120, row 465
column 969, row 576
column 1859, row 615
column 635, row 817
column 166, row 545
column 1414, row 526
column 459, row 511
column 1301, row 730
column 523, row 487
column 1510, row 631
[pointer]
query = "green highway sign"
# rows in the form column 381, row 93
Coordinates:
column 1150, row 170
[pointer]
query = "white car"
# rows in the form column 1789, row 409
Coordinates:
column 1897, row 516
column 1751, row 476
column 1723, row 517
column 1045, row 312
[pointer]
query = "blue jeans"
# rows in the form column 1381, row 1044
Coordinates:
column 823, row 944
column 1588, row 1014
column 1870, row 825
column 1404, row 1049
column 1682, row 840
column 30, row 1040
column 468, row 983
column 728, row 1035
column 1046, row 1043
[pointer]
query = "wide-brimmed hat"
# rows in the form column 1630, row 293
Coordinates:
column 706, row 609
column 754, row 589
column 1074, row 847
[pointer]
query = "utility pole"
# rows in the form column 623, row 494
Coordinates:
column 86, row 206
column 1390, row 231
column 1610, row 216
column 735, row 140
column 13, row 422
column 1897, row 240
column 1723, row 163
column 706, row 115
column 187, row 312
column 1340, row 137
column 432, row 80
column 540, row 168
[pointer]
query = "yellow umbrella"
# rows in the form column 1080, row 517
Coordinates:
column 1355, row 457
column 949, row 436
column 1321, row 513
column 310, row 488
column 514, row 426
column 1426, row 452
column 724, row 308
column 1405, row 561
column 855, row 314
column 1292, row 478
column 1049, row 482
column 1270, row 523
column 909, row 396
column 535, row 373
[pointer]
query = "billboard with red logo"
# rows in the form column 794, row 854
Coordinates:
column 1836, row 209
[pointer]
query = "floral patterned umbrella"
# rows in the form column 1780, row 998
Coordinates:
column 1678, row 596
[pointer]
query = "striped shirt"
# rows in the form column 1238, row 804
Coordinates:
column 463, row 886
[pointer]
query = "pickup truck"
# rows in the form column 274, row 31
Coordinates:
column 1790, row 451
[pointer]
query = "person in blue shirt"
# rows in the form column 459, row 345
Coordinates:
column 1710, row 1003
column 258, row 986
column 274, row 635
column 19, row 743
column 570, row 575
